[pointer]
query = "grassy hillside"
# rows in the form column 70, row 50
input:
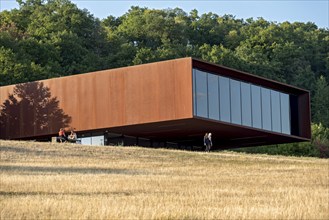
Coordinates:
column 61, row 181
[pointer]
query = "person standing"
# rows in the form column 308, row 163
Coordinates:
column 207, row 141
column 204, row 140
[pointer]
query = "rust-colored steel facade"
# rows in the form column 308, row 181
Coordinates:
column 153, row 101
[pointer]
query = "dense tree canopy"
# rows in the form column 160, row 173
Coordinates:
column 51, row 38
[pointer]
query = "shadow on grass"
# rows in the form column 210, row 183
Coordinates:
column 2, row 193
column 15, row 149
column 42, row 152
column 60, row 170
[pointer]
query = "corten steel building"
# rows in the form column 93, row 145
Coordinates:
column 163, row 104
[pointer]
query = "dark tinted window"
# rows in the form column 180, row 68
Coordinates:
column 276, row 111
column 194, row 92
column 285, row 113
column 213, row 96
column 256, row 107
column 235, row 101
column 266, row 109
column 246, row 103
column 224, row 97
column 201, row 94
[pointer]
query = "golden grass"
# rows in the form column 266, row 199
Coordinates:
column 67, row 181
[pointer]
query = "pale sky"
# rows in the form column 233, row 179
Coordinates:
column 316, row 11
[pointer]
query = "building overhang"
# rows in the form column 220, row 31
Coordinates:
column 191, row 131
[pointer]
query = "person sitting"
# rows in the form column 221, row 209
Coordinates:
column 72, row 137
column 61, row 135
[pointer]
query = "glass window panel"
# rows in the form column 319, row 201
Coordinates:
column 86, row 141
column 285, row 113
column 194, row 92
column 256, row 107
column 246, row 103
column 224, row 99
column 213, row 99
column 276, row 115
column 201, row 93
column 235, row 101
column 97, row 140
column 266, row 109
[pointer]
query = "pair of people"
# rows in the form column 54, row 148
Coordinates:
column 207, row 141
column 62, row 136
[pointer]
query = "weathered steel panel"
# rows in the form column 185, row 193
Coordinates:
column 116, row 97
column 5, row 122
column 102, row 99
column 87, row 106
column 119, row 97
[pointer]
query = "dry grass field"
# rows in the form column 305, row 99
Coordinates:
column 67, row 181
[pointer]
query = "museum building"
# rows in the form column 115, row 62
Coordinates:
column 163, row 104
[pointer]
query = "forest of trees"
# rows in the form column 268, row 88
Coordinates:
column 44, row 39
